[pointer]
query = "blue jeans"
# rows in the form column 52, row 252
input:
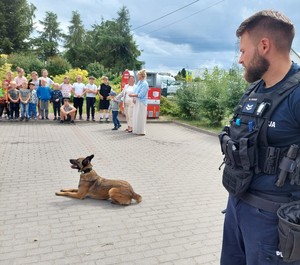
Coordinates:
column 32, row 110
column 115, row 118
column 24, row 107
column 250, row 236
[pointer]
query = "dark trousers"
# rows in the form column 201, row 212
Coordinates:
column 78, row 103
column 14, row 110
column 6, row 108
column 90, row 107
column 44, row 105
column 115, row 118
column 2, row 105
column 250, row 236
column 56, row 108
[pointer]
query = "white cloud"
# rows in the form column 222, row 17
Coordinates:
column 202, row 40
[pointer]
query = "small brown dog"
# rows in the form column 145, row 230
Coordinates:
column 93, row 186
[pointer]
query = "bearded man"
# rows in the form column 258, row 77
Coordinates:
column 261, row 147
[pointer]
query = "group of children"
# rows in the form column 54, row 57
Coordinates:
column 23, row 100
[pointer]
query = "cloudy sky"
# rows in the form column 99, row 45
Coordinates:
column 176, row 34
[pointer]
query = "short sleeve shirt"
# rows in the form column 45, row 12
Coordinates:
column 67, row 108
column 13, row 93
column 24, row 93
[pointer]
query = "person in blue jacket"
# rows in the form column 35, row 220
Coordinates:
column 44, row 94
column 140, row 96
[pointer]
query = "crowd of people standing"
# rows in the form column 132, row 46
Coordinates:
column 22, row 99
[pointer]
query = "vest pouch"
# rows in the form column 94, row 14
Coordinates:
column 236, row 180
column 230, row 149
column 289, row 231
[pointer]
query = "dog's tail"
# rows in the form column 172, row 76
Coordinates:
column 136, row 197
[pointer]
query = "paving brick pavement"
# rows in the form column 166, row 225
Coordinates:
column 174, row 168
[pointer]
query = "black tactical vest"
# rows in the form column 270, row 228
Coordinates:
column 244, row 143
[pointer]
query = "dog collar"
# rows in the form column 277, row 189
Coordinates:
column 87, row 170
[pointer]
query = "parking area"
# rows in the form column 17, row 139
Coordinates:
column 174, row 168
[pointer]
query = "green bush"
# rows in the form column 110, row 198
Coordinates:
column 29, row 62
column 57, row 65
column 188, row 101
column 236, row 87
column 96, row 69
column 168, row 107
column 210, row 98
column 212, row 108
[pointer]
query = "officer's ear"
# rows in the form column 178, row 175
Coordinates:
column 264, row 46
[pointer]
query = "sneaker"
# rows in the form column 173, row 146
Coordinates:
column 101, row 120
column 55, row 119
column 107, row 120
column 93, row 119
column 26, row 119
column 61, row 121
column 47, row 118
column 72, row 122
column 119, row 125
column 115, row 128
column 88, row 119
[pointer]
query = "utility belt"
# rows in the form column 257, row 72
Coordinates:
column 288, row 212
column 266, row 202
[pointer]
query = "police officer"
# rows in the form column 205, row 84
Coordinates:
column 266, row 123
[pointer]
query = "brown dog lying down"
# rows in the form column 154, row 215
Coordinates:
column 93, row 186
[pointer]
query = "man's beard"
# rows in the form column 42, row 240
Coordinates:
column 256, row 69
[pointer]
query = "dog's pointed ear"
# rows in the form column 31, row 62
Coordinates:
column 87, row 160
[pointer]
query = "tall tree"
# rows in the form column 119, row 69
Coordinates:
column 127, row 51
column 76, row 32
column 74, row 41
column 48, row 41
column 112, row 44
column 16, row 24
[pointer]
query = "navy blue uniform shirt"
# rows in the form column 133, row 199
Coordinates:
column 283, row 130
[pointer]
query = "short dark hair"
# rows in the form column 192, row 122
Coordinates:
column 271, row 24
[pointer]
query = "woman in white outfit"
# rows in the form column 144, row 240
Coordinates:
column 128, row 102
column 140, row 107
